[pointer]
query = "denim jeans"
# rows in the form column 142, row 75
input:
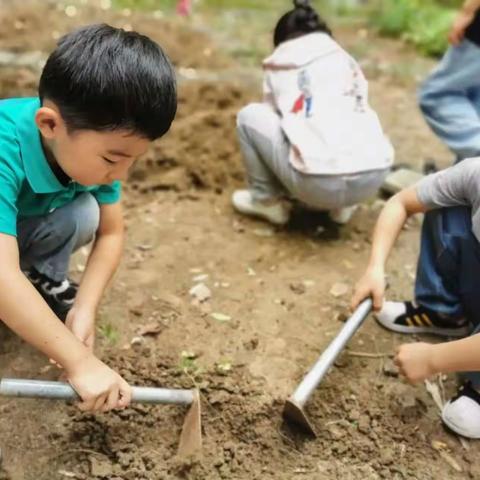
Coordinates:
column 448, row 273
column 450, row 100
column 266, row 153
column 46, row 243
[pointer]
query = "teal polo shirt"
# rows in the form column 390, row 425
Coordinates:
column 28, row 186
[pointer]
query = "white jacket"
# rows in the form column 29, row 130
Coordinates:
column 322, row 96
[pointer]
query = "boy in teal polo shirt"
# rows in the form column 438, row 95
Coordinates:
column 104, row 95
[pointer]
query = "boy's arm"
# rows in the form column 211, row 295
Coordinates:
column 419, row 361
column 463, row 20
column 26, row 313
column 102, row 264
column 389, row 224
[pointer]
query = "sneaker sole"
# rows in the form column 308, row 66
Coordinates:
column 254, row 213
column 451, row 426
column 440, row 332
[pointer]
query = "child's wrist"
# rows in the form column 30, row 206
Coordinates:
column 437, row 357
column 376, row 267
column 77, row 359
column 85, row 308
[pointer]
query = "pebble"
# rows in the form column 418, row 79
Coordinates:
column 339, row 289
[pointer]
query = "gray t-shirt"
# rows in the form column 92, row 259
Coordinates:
column 455, row 186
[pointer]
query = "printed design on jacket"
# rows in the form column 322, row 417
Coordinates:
column 355, row 89
column 305, row 100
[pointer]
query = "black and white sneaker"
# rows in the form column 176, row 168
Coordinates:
column 462, row 413
column 58, row 295
column 407, row 317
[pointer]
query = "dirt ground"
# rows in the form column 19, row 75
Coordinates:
column 271, row 287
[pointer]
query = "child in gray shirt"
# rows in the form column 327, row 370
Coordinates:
column 447, row 290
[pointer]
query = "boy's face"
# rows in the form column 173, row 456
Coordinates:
column 89, row 157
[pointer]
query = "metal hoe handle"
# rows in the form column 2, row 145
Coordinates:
column 13, row 387
column 323, row 364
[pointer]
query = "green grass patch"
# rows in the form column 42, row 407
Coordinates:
column 424, row 23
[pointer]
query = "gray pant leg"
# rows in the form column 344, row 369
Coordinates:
column 263, row 145
column 46, row 243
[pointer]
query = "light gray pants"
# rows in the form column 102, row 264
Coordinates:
column 266, row 152
column 46, row 243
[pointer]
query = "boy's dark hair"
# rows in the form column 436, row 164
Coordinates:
column 105, row 78
column 303, row 19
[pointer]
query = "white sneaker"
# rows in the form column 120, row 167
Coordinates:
column 276, row 212
column 462, row 413
column 342, row 215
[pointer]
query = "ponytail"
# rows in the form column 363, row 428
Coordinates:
column 302, row 20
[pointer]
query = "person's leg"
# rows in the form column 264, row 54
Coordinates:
column 264, row 150
column 446, row 234
column 445, row 100
column 47, row 243
column 444, row 277
column 261, row 141
column 462, row 413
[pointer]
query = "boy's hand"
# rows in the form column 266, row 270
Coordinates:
column 415, row 361
column 372, row 284
column 82, row 324
column 100, row 388
column 460, row 25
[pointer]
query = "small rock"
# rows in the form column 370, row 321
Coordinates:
column 201, row 278
column 400, row 179
column 364, row 424
column 336, row 432
column 354, row 415
column 390, row 369
column 153, row 328
column 339, row 290
column 408, row 401
column 386, row 456
column 200, row 292
column 137, row 341
column 263, row 232
column 100, row 467
column 189, row 355
column 298, row 288
column 144, row 247
column 67, row 474
column 221, row 317
column 342, row 361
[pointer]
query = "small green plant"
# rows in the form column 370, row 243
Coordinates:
column 188, row 363
column 109, row 333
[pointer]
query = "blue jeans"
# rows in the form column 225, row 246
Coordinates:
column 46, row 243
column 448, row 270
column 450, row 100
